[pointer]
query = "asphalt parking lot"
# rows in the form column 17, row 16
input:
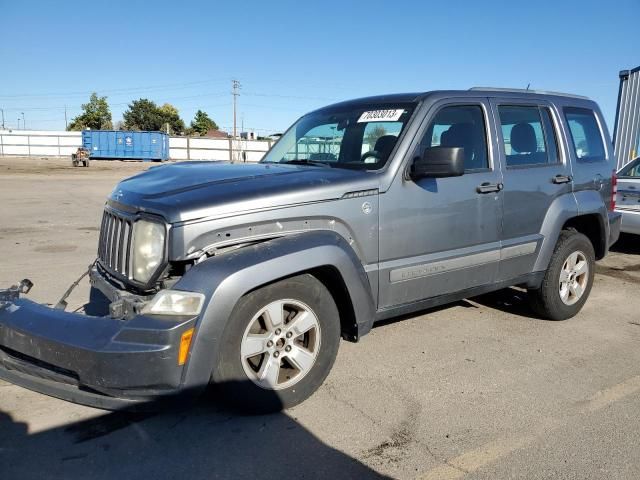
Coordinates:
column 478, row 389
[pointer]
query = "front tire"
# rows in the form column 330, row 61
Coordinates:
column 568, row 279
column 279, row 345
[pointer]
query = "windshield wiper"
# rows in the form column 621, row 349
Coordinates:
column 302, row 161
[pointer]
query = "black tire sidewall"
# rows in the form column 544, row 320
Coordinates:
column 228, row 375
column 549, row 295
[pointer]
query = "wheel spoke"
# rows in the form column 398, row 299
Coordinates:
column 302, row 323
column 273, row 315
column 581, row 268
column 576, row 290
column 254, row 344
column 564, row 276
column 301, row 358
column 269, row 371
column 572, row 260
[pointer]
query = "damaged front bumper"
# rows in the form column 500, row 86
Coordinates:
column 101, row 361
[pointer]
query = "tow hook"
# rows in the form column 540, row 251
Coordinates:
column 11, row 294
column 125, row 308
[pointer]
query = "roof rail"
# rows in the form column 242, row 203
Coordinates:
column 522, row 90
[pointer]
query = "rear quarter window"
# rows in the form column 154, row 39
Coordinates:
column 585, row 134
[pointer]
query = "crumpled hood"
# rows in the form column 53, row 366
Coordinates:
column 191, row 190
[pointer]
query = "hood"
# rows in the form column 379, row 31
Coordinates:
column 189, row 191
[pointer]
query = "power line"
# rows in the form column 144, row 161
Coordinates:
column 115, row 90
column 119, row 104
column 299, row 97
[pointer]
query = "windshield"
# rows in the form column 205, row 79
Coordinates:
column 358, row 136
column 631, row 169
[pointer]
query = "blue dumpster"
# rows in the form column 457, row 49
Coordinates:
column 126, row 145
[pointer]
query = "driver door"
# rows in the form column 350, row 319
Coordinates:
column 442, row 235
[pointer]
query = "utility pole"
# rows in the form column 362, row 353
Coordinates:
column 242, row 154
column 18, row 123
column 24, row 125
column 65, row 118
column 236, row 87
column 235, row 92
column 2, row 110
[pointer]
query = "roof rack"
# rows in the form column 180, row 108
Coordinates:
column 522, row 90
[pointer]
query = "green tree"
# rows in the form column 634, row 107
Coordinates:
column 170, row 115
column 202, row 123
column 95, row 115
column 142, row 114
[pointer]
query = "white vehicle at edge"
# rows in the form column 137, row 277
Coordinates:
column 628, row 198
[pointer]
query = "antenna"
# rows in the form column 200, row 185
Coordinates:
column 528, row 85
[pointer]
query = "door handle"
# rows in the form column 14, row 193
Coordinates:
column 487, row 187
column 558, row 179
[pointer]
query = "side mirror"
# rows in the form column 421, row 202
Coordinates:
column 438, row 162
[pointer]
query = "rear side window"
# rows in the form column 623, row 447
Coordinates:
column 528, row 135
column 460, row 126
column 585, row 133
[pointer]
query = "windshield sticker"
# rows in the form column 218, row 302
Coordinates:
column 381, row 116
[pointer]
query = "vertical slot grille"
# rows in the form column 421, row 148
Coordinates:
column 114, row 243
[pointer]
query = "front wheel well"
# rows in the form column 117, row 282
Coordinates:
column 331, row 278
column 591, row 226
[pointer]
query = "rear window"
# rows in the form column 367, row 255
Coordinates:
column 528, row 135
column 586, row 135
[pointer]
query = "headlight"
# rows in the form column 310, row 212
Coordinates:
column 148, row 249
column 175, row 302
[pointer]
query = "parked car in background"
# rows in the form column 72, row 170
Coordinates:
column 628, row 197
column 247, row 276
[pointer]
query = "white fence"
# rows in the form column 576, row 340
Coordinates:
column 198, row 148
column 39, row 142
column 43, row 143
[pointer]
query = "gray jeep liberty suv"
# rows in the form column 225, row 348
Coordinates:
column 247, row 275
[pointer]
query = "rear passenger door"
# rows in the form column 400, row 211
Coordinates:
column 535, row 172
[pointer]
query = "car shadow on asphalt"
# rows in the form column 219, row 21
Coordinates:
column 627, row 244
column 206, row 440
column 509, row 300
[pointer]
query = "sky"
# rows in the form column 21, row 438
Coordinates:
column 294, row 56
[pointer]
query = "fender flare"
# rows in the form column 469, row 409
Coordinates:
column 564, row 209
column 226, row 278
column 559, row 212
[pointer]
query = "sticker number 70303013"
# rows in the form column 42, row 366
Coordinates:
column 381, row 115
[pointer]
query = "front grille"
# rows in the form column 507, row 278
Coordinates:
column 114, row 247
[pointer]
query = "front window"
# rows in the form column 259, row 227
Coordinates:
column 358, row 136
column 460, row 126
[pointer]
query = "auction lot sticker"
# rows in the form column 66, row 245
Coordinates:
column 381, row 116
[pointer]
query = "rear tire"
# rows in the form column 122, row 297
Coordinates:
column 568, row 279
column 278, row 346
